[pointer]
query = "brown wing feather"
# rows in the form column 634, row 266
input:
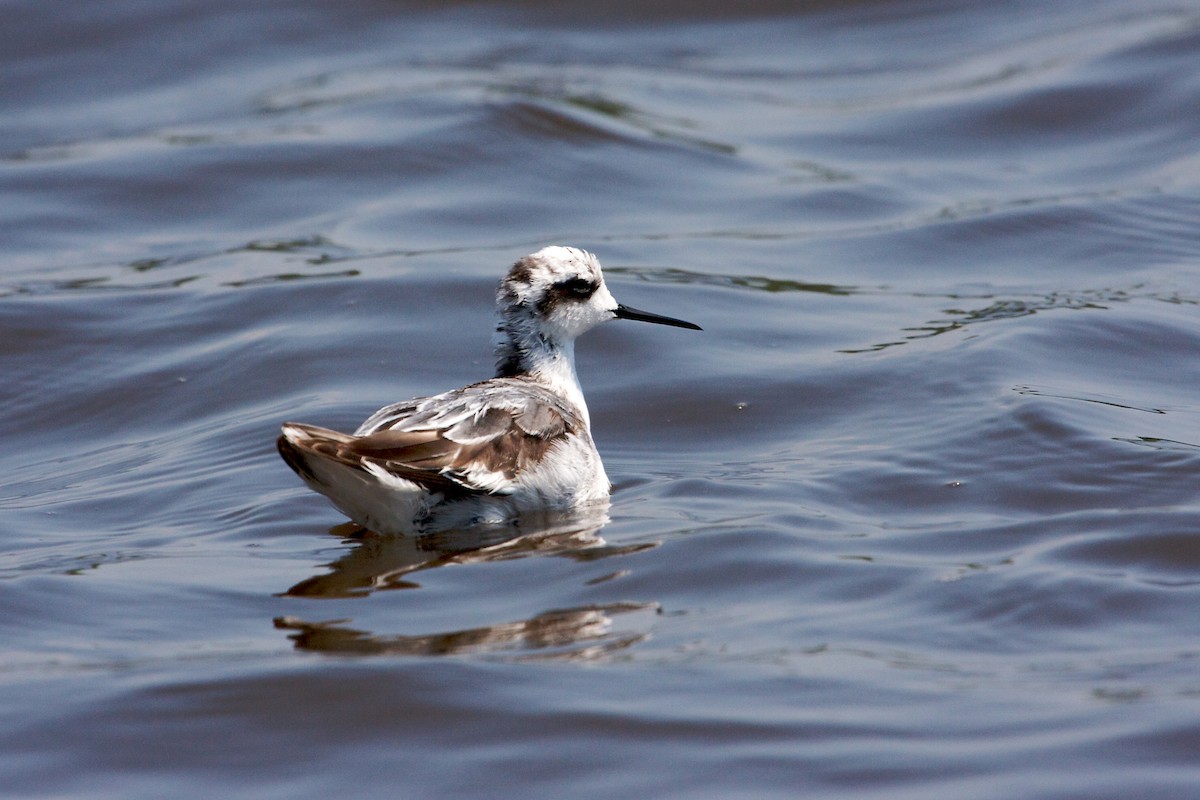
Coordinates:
column 505, row 448
column 345, row 449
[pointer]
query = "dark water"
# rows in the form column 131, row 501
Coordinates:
column 917, row 516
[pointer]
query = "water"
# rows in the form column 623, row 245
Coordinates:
column 916, row 516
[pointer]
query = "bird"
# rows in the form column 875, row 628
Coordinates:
column 518, row 442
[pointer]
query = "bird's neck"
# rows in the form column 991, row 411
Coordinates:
column 521, row 352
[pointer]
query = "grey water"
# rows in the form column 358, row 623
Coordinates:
column 916, row 516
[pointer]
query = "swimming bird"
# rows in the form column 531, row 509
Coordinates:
column 487, row 452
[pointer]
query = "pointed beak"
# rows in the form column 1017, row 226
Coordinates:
column 625, row 312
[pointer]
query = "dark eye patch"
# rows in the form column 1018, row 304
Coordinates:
column 576, row 288
column 571, row 290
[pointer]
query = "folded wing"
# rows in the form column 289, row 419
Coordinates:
column 475, row 440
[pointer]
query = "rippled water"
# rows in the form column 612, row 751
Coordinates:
column 918, row 514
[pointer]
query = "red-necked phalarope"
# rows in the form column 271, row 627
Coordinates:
column 487, row 452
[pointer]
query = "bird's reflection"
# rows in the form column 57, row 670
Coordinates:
column 582, row 633
column 387, row 562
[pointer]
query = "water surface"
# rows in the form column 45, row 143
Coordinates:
column 916, row 516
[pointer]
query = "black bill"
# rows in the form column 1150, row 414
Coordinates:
column 625, row 312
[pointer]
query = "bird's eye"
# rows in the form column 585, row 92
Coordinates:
column 578, row 288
